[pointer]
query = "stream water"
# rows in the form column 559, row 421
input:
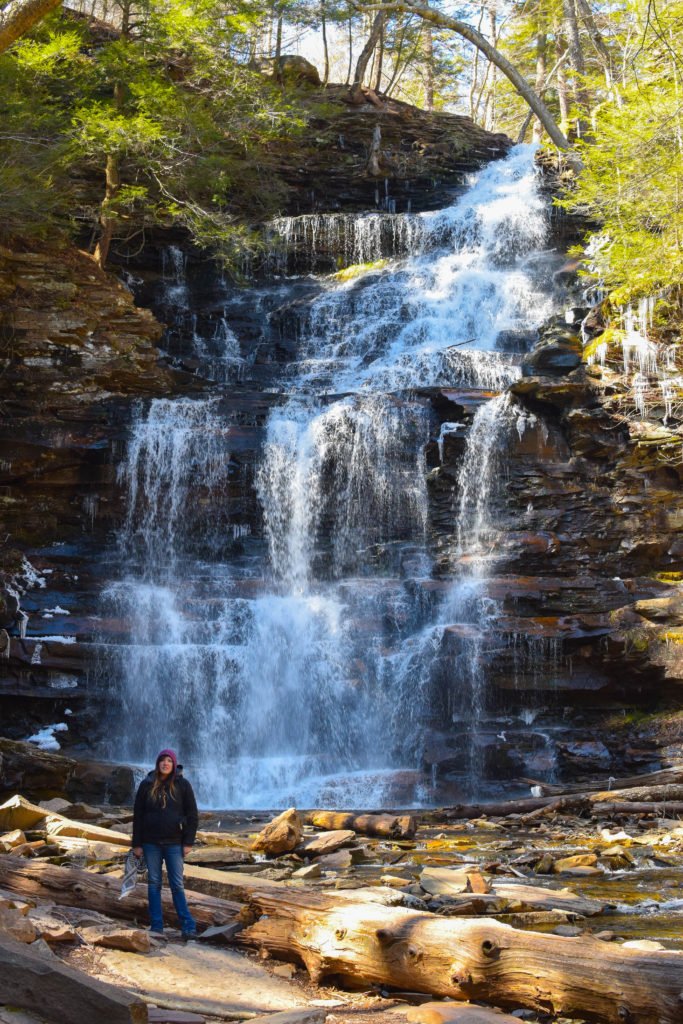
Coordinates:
column 304, row 665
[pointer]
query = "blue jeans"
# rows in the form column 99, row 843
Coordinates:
column 155, row 855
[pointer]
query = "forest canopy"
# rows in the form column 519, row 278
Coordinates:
column 173, row 107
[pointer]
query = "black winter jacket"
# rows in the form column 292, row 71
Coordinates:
column 175, row 824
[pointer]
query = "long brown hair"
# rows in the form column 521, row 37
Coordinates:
column 162, row 788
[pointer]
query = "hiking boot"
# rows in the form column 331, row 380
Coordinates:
column 188, row 936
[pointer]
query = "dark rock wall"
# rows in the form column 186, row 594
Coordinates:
column 590, row 547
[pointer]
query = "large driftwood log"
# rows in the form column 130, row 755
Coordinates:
column 525, row 805
column 74, row 888
column 468, row 959
column 663, row 777
column 389, row 825
column 672, row 809
column 365, row 942
column 640, row 794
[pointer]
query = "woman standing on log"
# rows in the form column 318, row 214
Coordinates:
column 164, row 827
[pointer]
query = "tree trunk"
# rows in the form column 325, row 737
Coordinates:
column 380, row 61
column 496, row 58
column 562, row 90
column 355, row 93
column 556, row 67
column 326, row 52
column 464, row 959
column 490, row 118
column 475, row 71
column 603, row 53
column 541, row 68
column 468, row 959
column 398, row 51
column 107, row 222
column 522, row 806
column 278, row 48
column 348, row 71
column 428, row 54
column 22, row 18
column 577, row 65
column 608, row 810
column 73, row 888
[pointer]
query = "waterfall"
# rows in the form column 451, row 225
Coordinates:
column 305, row 666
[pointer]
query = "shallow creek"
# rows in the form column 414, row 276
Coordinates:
column 641, row 901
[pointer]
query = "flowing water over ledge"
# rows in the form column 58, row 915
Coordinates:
column 306, row 668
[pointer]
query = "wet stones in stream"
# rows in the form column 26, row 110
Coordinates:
column 508, row 868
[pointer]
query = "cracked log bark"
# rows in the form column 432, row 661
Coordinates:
column 73, row 888
column 471, row 959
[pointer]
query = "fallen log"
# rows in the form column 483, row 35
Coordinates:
column 59, row 993
column 496, row 810
column 467, row 959
column 662, row 777
column 366, row 942
column 638, row 794
column 74, row 888
column 387, row 825
column 662, row 810
column 558, row 805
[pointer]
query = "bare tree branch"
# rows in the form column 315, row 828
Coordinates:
column 477, row 39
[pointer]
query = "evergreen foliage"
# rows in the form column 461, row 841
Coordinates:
column 632, row 180
column 159, row 113
column 162, row 108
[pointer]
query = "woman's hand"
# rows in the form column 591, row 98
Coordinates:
column 137, row 850
column 186, row 850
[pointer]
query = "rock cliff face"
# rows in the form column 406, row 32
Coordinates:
column 75, row 353
column 587, row 557
column 73, row 346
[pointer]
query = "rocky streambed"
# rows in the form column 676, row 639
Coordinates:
column 611, row 879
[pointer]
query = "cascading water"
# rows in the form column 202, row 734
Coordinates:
column 307, row 674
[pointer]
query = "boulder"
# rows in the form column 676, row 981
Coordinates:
column 12, row 839
column 9, row 608
column 18, row 925
column 585, row 754
column 324, row 842
column 457, row 1013
column 447, row 881
column 580, row 860
column 51, row 928
column 309, row 871
column 131, row 940
column 96, row 781
column 290, row 67
column 32, row 982
column 218, row 855
column 281, row 834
